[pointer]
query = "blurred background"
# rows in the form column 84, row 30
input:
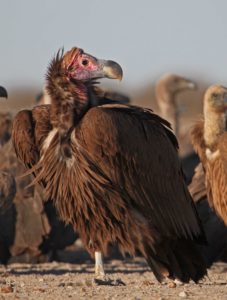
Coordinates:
column 148, row 38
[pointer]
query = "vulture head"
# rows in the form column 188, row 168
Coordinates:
column 77, row 66
column 214, row 109
column 215, row 99
column 3, row 92
column 172, row 84
column 70, row 78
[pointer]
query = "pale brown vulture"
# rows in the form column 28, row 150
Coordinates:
column 209, row 138
column 112, row 171
column 167, row 89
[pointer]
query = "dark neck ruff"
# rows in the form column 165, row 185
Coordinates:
column 69, row 99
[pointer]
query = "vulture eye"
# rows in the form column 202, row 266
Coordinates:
column 85, row 62
column 215, row 95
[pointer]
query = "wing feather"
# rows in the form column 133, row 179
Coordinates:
column 145, row 163
column 30, row 128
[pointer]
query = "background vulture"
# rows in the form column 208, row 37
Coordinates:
column 112, row 171
column 7, row 212
column 167, row 89
column 210, row 141
column 31, row 229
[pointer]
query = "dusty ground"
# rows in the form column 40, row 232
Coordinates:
column 73, row 281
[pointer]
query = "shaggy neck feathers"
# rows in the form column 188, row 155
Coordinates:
column 168, row 109
column 69, row 100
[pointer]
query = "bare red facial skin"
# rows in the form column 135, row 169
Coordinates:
column 82, row 66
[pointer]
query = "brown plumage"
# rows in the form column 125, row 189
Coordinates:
column 28, row 225
column 210, row 141
column 112, row 171
column 103, row 97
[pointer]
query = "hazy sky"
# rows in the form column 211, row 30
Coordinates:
column 147, row 37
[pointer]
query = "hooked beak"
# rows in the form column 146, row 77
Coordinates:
column 3, row 92
column 110, row 69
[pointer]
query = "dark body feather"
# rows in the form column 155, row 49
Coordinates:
column 113, row 173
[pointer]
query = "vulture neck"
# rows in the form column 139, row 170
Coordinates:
column 214, row 125
column 168, row 109
column 69, row 101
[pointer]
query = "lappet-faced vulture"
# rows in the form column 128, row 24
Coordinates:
column 209, row 138
column 112, row 171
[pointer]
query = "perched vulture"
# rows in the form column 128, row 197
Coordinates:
column 112, row 170
column 209, row 138
column 7, row 212
column 167, row 88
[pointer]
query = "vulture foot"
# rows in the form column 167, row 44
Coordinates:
column 100, row 276
column 106, row 280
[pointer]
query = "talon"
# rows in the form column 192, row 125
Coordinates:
column 105, row 280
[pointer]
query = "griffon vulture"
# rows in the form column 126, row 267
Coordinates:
column 166, row 90
column 209, row 138
column 112, row 171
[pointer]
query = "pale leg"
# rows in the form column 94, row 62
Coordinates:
column 99, row 267
column 101, row 278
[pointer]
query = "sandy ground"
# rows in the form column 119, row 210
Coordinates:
column 75, row 281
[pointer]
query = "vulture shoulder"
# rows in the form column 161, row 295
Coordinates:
column 143, row 163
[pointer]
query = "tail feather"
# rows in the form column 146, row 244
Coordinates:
column 177, row 260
